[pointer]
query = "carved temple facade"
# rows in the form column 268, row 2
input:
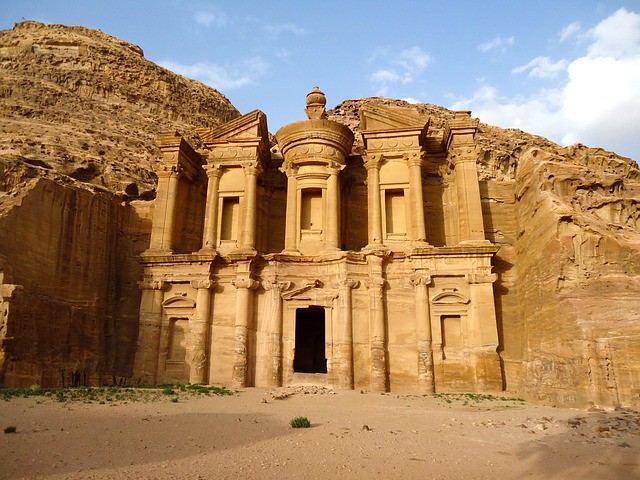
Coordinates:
column 310, row 261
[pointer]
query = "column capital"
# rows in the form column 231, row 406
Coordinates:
column 247, row 283
column 467, row 153
column 167, row 171
column 481, row 277
column 275, row 286
column 152, row 285
column 206, row 284
column 421, row 279
column 290, row 169
column 348, row 283
column 213, row 170
column 375, row 283
column 372, row 161
column 9, row 291
column 414, row 159
column 252, row 167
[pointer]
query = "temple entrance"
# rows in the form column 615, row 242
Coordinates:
column 310, row 341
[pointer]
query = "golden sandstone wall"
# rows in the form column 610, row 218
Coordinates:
column 76, row 131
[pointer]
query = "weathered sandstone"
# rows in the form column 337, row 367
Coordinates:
column 564, row 222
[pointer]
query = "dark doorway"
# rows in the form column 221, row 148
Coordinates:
column 310, row 341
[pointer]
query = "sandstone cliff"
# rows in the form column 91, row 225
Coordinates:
column 568, row 292
column 79, row 114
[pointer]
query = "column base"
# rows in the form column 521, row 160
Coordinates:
column 475, row 242
column 290, row 251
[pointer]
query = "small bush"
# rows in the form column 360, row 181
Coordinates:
column 300, row 422
column 167, row 390
column 11, row 429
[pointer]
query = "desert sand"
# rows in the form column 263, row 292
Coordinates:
column 353, row 435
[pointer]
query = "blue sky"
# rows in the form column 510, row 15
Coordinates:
column 567, row 70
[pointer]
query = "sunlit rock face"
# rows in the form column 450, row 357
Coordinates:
column 79, row 115
column 520, row 274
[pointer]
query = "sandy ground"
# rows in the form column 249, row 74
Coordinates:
column 353, row 435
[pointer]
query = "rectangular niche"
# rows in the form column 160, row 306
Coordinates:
column 396, row 221
column 451, row 336
column 229, row 218
column 311, row 209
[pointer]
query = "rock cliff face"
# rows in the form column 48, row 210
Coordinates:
column 568, row 226
column 79, row 114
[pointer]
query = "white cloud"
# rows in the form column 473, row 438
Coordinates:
column 617, row 35
column 222, row 77
column 411, row 100
column 597, row 104
column 542, row 67
column 276, row 29
column 207, row 18
column 569, row 31
column 384, row 76
column 498, row 43
column 406, row 67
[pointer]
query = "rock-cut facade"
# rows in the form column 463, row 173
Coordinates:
column 306, row 260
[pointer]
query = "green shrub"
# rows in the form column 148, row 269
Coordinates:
column 300, row 422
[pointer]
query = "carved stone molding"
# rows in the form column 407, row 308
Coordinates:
column 203, row 284
column 152, row 285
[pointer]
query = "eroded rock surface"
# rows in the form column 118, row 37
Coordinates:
column 79, row 114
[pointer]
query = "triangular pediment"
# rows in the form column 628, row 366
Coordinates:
column 379, row 117
column 253, row 125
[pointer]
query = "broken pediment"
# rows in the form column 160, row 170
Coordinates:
column 378, row 117
column 450, row 298
column 179, row 302
column 251, row 126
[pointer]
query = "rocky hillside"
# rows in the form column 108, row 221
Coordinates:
column 79, row 114
column 78, row 105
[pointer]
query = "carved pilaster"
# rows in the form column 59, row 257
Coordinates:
column 244, row 300
column 145, row 368
column 372, row 164
column 421, row 281
column 377, row 324
column 200, row 330
column 273, row 319
column 345, row 348
column 210, row 236
column 416, row 197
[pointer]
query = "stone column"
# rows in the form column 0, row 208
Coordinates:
column 372, row 164
column 10, row 300
column 483, row 332
column 345, row 370
column 145, row 369
column 248, row 239
column 419, row 231
column 468, row 189
column 377, row 324
column 423, row 332
column 244, row 303
column 273, row 317
column 291, row 227
column 165, row 210
column 332, row 239
column 200, row 331
column 210, row 236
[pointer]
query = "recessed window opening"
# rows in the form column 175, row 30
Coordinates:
column 310, row 341
column 395, row 212
column 311, row 209
column 178, row 339
column 230, row 217
column 451, row 336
